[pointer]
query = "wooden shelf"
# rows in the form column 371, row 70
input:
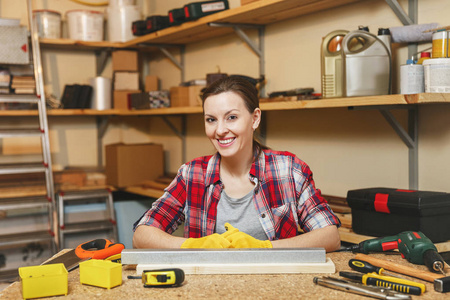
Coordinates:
column 260, row 13
column 281, row 104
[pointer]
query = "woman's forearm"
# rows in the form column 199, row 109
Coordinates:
column 327, row 237
column 149, row 237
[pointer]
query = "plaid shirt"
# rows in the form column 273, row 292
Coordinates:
column 285, row 196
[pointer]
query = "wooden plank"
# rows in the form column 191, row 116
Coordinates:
column 269, row 268
column 346, row 219
column 152, row 193
column 259, row 12
column 81, row 112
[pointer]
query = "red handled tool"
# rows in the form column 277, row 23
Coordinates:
column 96, row 249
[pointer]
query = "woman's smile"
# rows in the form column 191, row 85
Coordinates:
column 226, row 142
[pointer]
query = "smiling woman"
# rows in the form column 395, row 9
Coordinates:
column 244, row 196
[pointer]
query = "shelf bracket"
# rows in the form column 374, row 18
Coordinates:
column 258, row 48
column 163, row 48
column 409, row 137
column 179, row 133
column 101, row 59
column 406, row 19
column 102, row 126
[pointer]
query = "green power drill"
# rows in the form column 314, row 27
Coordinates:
column 412, row 245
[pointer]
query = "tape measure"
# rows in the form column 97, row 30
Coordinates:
column 161, row 278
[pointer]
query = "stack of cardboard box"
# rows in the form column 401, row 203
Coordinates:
column 125, row 64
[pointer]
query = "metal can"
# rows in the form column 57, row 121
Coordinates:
column 49, row 23
column 440, row 44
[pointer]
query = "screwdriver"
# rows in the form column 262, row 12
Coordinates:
column 396, row 284
column 365, row 267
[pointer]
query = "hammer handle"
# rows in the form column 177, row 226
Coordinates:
column 387, row 265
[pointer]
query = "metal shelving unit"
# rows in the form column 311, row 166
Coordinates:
column 107, row 224
column 35, row 204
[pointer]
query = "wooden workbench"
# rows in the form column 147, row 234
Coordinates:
column 277, row 286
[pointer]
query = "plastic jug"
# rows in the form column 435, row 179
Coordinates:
column 332, row 65
column 367, row 65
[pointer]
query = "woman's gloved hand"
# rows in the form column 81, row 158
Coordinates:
column 214, row 240
column 240, row 239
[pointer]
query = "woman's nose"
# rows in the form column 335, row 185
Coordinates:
column 221, row 128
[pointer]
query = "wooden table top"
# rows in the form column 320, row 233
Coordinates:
column 276, row 286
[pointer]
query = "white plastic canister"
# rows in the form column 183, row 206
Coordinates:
column 85, row 25
column 120, row 20
column 101, row 94
column 437, row 75
column 48, row 23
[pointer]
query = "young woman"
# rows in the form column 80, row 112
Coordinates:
column 245, row 195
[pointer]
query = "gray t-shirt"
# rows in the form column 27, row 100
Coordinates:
column 241, row 213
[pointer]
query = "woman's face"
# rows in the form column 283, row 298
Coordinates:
column 229, row 125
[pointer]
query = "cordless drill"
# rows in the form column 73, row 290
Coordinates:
column 412, row 245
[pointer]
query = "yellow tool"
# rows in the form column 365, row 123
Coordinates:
column 394, row 283
column 161, row 278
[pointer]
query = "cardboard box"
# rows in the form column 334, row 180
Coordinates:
column 151, row 83
column 122, row 99
column 132, row 164
column 185, row 96
column 125, row 60
column 126, row 81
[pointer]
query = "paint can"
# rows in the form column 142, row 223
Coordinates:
column 437, row 75
column 440, row 44
column 85, row 25
column 48, row 23
column 411, row 78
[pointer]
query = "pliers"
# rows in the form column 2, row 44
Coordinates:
column 356, row 288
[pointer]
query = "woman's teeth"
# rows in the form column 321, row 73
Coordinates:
column 226, row 141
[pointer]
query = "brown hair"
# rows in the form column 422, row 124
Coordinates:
column 243, row 88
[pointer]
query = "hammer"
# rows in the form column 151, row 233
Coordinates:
column 441, row 283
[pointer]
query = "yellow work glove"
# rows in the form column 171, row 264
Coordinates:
column 214, row 240
column 240, row 239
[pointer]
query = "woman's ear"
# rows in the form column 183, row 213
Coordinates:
column 256, row 118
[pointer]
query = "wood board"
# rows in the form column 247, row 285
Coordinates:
column 269, row 268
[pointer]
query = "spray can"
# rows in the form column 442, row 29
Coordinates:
column 411, row 78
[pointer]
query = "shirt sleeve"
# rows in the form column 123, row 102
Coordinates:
column 166, row 213
column 313, row 210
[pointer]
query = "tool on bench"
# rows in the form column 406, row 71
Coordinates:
column 95, row 249
column 412, row 245
column 356, row 288
column 161, row 278
column 365, row 267
column 400, row 285
column 294, row 92
column 441, row 283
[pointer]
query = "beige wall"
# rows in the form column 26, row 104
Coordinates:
column 345, row 149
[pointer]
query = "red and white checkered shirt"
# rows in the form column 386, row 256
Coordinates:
column 284, row 197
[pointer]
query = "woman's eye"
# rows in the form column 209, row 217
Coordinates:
column 232, row 117
column 209, row 120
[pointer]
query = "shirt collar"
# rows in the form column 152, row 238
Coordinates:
column 213, row 169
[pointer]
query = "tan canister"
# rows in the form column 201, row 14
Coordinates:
column 440, row 44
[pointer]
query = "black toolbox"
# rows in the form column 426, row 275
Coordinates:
column 196, row 10
column 388, row 211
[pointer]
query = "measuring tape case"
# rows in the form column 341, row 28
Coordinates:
column 388, row 211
